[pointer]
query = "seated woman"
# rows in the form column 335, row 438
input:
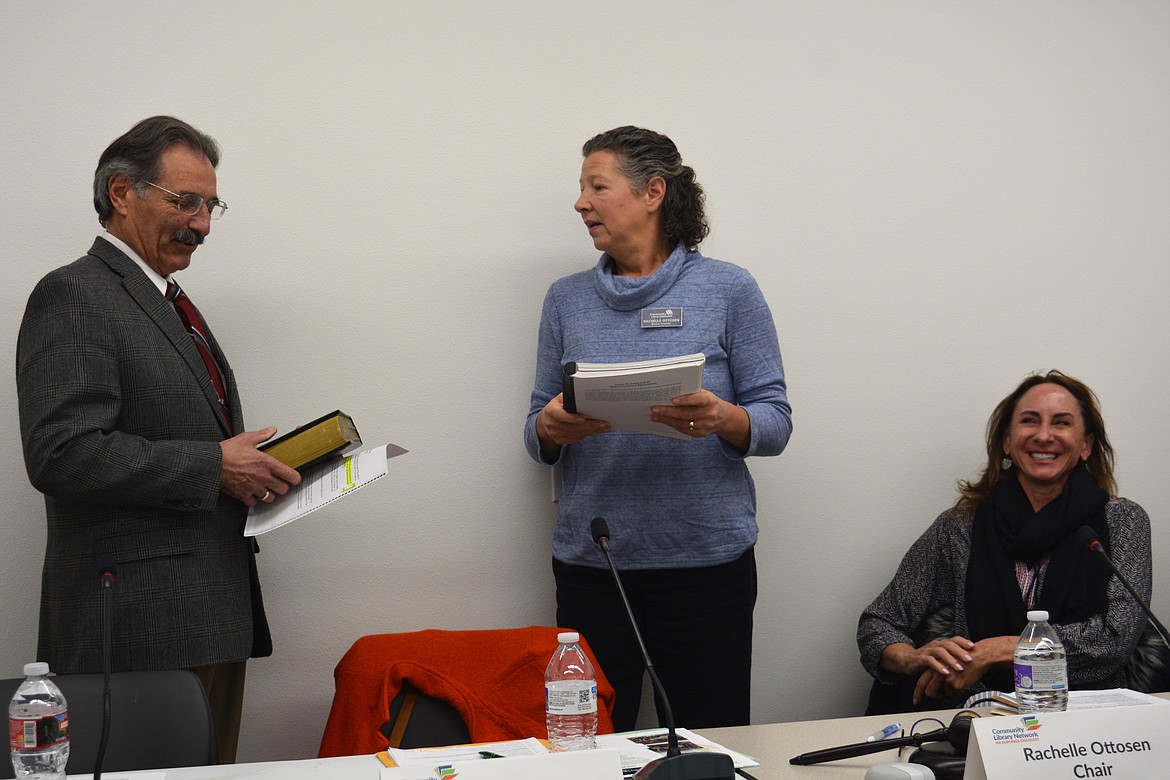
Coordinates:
column 947, row 624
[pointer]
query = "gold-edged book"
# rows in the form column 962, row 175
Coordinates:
column 314, row 442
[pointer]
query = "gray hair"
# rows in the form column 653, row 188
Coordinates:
column 138, row 154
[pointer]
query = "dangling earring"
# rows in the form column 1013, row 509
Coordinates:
column 1006, row 463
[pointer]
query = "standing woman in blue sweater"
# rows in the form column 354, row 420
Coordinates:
column 682, row 512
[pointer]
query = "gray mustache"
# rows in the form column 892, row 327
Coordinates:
column 189, row 236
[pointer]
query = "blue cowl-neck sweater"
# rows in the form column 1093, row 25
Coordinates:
column 669, row 503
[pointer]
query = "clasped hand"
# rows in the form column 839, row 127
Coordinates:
column 952, row 666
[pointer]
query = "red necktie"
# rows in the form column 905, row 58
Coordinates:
column 191, row 320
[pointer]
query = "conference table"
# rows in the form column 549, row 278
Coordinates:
column 771, row 744
column 774, row 744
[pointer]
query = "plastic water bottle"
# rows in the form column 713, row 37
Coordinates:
column 570, row 697
column 1041, row 668
column 38, row 726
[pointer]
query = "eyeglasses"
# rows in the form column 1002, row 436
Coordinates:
column 190, row 203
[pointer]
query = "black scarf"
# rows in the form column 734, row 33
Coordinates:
column 1005, row 529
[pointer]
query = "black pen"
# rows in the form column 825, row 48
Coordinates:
column 489, row 754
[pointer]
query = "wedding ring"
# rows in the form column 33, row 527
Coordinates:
column 267, row 495
column 691, row 425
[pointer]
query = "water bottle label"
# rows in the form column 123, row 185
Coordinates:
column 570, row 698
column 38, row 733
column 1041, row 676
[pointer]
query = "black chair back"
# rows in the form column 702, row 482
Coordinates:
column 158, row 720
column 418, row 721
column 1148, row 669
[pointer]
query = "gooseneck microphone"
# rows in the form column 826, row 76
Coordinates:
column 108, row 573
column 1088, row 536
column 675, row 765
column 600, row 531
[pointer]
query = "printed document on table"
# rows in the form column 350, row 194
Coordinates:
column 1110, row 697
column 639, row 748
column 1005, row 703
column 570, row 765
column 429, row 757
column 320, row 485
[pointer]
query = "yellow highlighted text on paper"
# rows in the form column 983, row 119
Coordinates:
column 350, row 482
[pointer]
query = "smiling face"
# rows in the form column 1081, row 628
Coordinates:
column 1046, row 440
column 151, row 224
column 621, row 222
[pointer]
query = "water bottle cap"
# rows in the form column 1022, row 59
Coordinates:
column 568, row 637
column 1037, row 615
column 36, row 669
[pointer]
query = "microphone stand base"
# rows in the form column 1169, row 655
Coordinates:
column 689, row 766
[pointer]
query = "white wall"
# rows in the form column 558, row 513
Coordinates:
column 937, row 198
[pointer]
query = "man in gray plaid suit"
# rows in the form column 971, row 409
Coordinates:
column 132, row 429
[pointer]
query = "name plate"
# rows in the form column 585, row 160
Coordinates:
column 573, row 765
column 668, row 317
column 1118, row 742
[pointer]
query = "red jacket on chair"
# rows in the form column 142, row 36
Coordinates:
column 493, row 678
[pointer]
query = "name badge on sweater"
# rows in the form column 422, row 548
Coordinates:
column 670, row 317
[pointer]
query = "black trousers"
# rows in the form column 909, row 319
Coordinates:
column 697, row 625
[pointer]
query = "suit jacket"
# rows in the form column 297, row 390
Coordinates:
column 121, row 428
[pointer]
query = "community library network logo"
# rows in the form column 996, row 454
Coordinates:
column 1011, row 734
column 446, row 772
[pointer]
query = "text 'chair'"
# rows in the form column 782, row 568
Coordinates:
column 158, row 720
column 418, row 689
